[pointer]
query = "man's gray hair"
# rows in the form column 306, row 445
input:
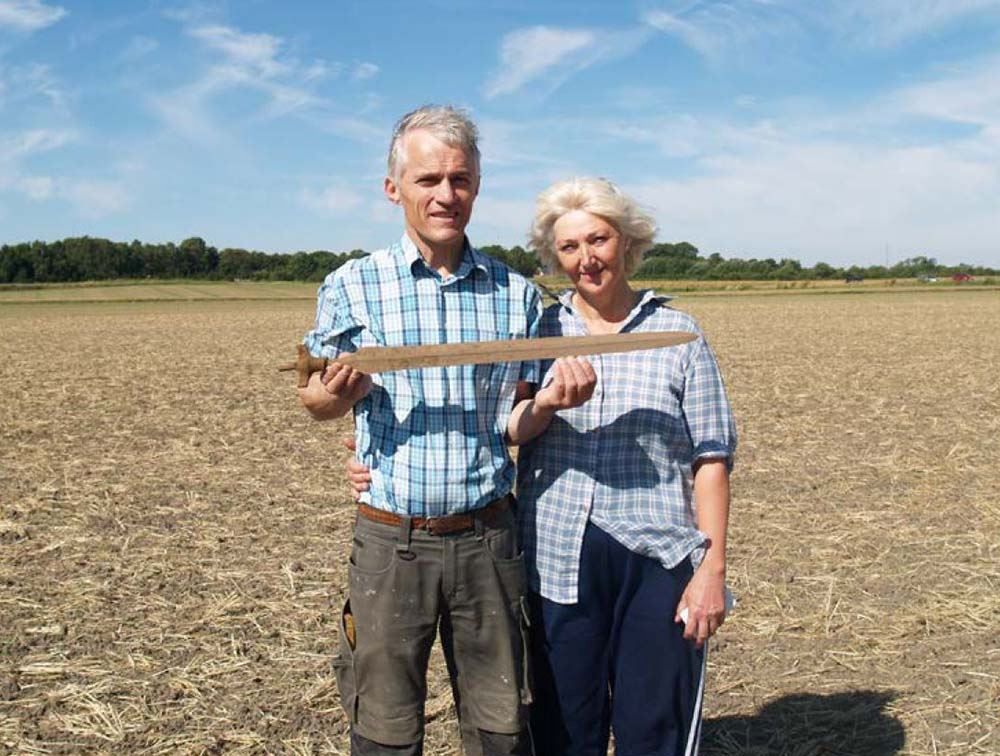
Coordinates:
column 451, row 125
column 596, row 196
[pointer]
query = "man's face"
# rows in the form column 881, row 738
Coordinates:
column 436, row 188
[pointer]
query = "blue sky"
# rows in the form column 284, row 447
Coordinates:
column 848, row 132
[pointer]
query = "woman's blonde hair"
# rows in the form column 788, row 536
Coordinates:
column 596, row 196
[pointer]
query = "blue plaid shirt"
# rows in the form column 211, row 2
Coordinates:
column 623, row 460
column 432, row 437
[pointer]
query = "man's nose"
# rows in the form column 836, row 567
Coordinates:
column 445, row 192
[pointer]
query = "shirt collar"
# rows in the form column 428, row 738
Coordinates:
column 647, row 297
column 472, row 259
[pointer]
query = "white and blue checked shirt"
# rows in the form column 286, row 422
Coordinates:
column 624, row 459
column 432, row 437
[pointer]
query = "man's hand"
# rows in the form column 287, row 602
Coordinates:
column 573, row 382
column 335, row 391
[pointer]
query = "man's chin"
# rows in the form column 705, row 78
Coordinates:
column 446, row 235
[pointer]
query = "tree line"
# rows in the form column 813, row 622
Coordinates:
column 93, row 259
column 682, row 261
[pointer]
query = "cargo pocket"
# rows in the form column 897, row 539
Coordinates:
column 513, row 582
column 343, row 665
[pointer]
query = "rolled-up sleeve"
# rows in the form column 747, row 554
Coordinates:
column 707, row 413
column 338, row 327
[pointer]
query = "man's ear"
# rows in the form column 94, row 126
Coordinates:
column 391, row 190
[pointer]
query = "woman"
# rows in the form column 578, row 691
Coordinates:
column 615, row 549
column 615, row 452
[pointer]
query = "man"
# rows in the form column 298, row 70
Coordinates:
column 434, row 543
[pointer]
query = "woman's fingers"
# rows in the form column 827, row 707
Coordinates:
column 572, row 384
column 344, row 381
column 581, row 379
column 700, row 622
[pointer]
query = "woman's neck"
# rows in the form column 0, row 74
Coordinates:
column 606, row 314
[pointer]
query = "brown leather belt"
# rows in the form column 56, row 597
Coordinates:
column 455, row 523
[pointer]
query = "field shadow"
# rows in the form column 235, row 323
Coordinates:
column 840, row 724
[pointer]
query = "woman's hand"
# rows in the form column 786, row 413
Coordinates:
column 358, row 475
column 705, row 601
column 346, row 383
column 572, row 384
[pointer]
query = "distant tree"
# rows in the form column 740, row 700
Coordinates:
column 524, row 262
column 824, row 271
column 684, row 250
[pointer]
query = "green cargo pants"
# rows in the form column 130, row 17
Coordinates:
column 405, row 584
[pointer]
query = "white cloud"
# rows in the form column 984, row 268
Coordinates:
column 890, row 22
column 693, row 35
column 94, row 198
column 357, row 129
column 336, row 199
column 321, row 69
column 837, row 202
column 254, row 52
column 27, row 82
column 29, row 15
column 365, row 71
column 546, row 57
column 731, row 29
column 139, row 47
column 970, row 96
column 14, row 147
column 526, row 54
column 247, row 61
column 917, row 169
column 506, row 143
column 185, row 109
column 37, row 187
column 90, row 197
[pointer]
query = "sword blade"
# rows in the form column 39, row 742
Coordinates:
column 388, row 359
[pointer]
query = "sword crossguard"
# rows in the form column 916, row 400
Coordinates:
column 305, row 365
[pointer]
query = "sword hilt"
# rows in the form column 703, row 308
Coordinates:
column 305, row 365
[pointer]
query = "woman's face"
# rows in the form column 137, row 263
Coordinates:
column 591, row 252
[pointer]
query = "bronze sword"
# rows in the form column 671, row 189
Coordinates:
column 387, row 359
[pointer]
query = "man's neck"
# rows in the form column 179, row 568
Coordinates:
column 444, row 258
